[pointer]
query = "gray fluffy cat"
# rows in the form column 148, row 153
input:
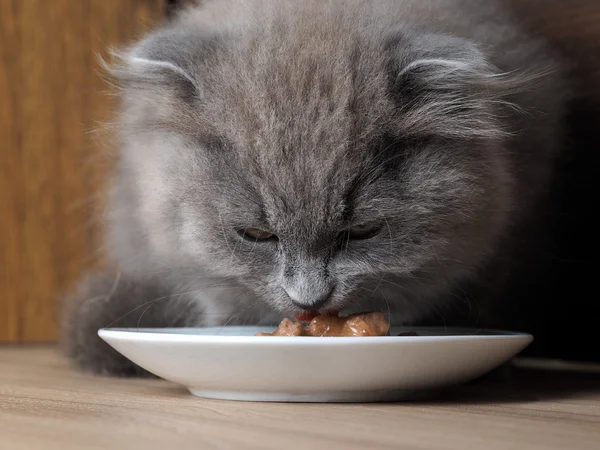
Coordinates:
column 278, row 156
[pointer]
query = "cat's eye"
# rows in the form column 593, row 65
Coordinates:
column 254, row 234
column 363, row 231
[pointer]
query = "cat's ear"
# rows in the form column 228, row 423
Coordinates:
column 445, row 86
column 169, row 60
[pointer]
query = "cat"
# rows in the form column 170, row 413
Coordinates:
column 278, row 157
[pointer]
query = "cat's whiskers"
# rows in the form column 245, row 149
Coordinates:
column 421, row 298
column 244, row 310
column 192, row 291
column 153, row 301
column 224, row 233
column 387, row 304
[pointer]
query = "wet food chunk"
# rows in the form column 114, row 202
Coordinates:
column 287, row 327
column 366, row 324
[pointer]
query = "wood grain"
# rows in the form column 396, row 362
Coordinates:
column 44, row 404
column 50, row 168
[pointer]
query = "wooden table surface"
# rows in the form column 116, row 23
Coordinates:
column 44, row 404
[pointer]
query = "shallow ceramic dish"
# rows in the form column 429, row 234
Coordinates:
column 231, row 363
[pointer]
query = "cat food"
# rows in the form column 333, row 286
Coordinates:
column 366, row 324
column 287, row 327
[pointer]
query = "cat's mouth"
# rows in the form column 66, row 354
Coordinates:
column 307, row 316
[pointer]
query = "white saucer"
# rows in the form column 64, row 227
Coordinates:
column 231, row 363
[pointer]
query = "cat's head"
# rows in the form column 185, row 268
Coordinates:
column 304, row 159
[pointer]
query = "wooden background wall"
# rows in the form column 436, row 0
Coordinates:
column 51, row 97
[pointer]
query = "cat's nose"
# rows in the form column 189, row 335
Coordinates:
column 311, row 302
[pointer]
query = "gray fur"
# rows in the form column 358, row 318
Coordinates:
column 439, row 120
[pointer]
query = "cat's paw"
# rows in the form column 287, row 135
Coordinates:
column 94, row 305
column 104, row 300
column 94, row 356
